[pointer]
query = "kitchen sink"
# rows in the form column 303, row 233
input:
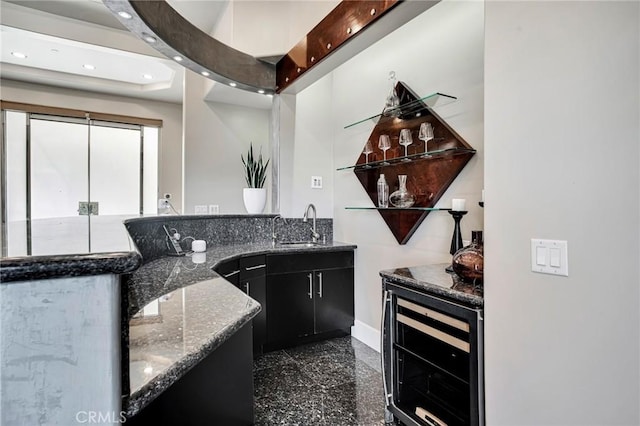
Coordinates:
column 299, row 243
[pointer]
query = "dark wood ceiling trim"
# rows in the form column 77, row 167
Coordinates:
column 342, row 24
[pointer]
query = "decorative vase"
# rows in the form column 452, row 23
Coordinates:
column 468, row 262
column 254, row 199
column 402, row 198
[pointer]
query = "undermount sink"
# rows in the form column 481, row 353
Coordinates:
column 299, row 243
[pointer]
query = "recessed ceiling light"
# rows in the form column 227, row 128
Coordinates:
column 232, row 84
column 124, row 15
column 19, row 55
column 148, row 38
column 89, row 67
column 261, row 91
column 205, row 73
column 178, row 58
column 147, row 76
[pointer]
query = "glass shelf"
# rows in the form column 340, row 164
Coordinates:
column 417, row 209
column 410, row 109
column 413, row 157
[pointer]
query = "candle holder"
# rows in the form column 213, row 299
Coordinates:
column 456, row 239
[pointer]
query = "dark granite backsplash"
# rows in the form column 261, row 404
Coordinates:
column 149, row 236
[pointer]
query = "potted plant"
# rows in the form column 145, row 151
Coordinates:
column 255, row 174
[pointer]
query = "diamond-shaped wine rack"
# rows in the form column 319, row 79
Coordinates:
column 428, row 176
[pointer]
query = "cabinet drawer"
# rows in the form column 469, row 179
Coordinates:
column 229, row 270
column 284, row 263
column 252, row 266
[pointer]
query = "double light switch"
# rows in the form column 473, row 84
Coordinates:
column 549, row 257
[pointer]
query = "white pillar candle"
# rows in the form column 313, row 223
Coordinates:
column 458, row 204
column 199, row 246
column 199, row 257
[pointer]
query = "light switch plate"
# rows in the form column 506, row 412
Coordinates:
column 214, row 209
column 316, row 182
column 200, row 209
column 549, row 257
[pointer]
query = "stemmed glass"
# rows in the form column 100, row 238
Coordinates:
column 368, row 149
column 384, row 143
column 425, row 134
column 405, row 140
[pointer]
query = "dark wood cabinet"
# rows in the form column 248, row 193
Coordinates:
column 252, row 280
column 304, row 296
column 309, row 296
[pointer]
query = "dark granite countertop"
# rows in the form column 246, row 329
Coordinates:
column 26, row 268
column 435, row 280
column 179, row 310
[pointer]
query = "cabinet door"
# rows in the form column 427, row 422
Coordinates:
column 289, row 306
column 256, row 288
column 333, row 299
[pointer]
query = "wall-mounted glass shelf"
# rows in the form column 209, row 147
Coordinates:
column 413, row 157
column 415, row 108
column 417, row 209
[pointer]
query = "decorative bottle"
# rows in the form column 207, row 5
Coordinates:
column 383, row 192
column 402, row 198
column 468, row 262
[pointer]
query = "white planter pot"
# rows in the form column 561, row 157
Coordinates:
column 254, row 199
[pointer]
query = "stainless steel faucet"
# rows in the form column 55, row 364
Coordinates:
column 314, row 233
column 274, row 236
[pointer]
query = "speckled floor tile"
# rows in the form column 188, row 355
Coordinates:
column 271, row 359
column 326, row 383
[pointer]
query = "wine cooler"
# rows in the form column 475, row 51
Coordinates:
column 432, row 359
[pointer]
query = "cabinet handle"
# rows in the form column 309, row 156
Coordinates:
column 247, row 285
column 230, row 274
column 320, row 284
column 310, row 286
column 386, row 305
column 251, row 268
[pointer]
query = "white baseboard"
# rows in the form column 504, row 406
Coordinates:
column 366, row 334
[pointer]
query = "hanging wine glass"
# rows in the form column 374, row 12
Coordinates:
column 391, row 107
column 368, row 149
column 425, row 134
column 384, row 143
column 405, row 140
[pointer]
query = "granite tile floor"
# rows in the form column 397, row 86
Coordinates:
column 334, row 382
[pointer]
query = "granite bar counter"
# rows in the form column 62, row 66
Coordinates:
column 198, row 310
column 435, row 280
column 164, row 315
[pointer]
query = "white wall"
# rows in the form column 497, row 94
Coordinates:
column 562, row 116
column 170, row 155
column 310, row 153
column 215, row 135
column 421, row 54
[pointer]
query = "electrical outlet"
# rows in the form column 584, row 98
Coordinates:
column 214, row 209
column 316, row 182
column 200, row 209
column 163, row 203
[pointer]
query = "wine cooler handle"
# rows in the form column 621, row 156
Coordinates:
column 385, row 307
column 320, row 284
column 310, row 286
